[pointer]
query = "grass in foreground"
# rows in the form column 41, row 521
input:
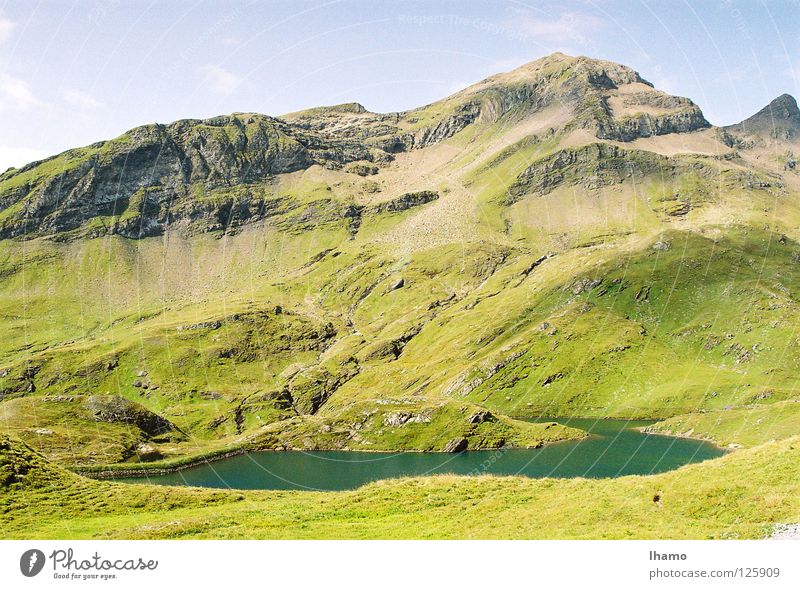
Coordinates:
column 742, row 495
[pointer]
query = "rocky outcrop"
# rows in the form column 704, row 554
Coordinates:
column 481, row 416
column 116, row 409
column 657, row 100
column 390, row 349
column 456, row 445
column 361, row 169
column 405, row 202
column 401, row 418
column 648, row 125
column 464, row 115
column 592, row 166
column 211, row 172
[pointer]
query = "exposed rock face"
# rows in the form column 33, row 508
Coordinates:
column 593, row 165
column 647, row 125
column 663, row 101
column 400, row 418
column 456, row 445
column 779, row 120
column 156, row 176
column 116, row 409
column 396, row 419
column 671, row 114
column 463, row 117
column 406, row 201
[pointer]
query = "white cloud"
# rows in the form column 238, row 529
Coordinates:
column 19, row 156
column 16, row 94
column 220, row 80
column 567, row 28
column 6, row 27
column 80, row 99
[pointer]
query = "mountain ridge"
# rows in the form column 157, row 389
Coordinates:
column 152, row 176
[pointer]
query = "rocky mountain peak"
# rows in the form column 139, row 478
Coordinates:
column 780, row 120
column 560, row 69
column 609, row 99
column 606, row 74
column 782, row 107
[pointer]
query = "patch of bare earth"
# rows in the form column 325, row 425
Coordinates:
column 786, row 532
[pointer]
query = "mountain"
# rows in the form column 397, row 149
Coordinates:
column 561, row 239
column 779, row 120
column 209, row 174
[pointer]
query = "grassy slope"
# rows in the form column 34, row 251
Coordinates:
column 198, row 376
column 741, row 495
column 745, row 426
column 708, row 323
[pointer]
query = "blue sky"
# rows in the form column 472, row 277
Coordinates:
column 74, row 72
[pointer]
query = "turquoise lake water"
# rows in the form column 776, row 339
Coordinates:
column 615, row 449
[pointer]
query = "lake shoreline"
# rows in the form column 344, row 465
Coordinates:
column 610, row 449
column 727, row 449
column 157, row 468
column 143, row 472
